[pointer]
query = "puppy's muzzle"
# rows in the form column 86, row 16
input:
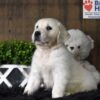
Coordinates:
column 37, row 35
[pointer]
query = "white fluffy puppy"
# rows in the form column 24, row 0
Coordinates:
column 79, row 45
column 53, row 65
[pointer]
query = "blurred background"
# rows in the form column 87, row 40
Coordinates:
column 17, row 18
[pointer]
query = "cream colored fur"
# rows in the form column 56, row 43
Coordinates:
column 53, row 65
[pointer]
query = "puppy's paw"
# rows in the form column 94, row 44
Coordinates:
column 22, row 85
column 57, row 93
column 32, row 87
column 28, row 90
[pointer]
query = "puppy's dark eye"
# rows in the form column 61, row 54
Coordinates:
column 37, row 26
column 49, row 28
column 66, row 45
column 79, row 47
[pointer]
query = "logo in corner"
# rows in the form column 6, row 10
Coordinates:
column 88, row 5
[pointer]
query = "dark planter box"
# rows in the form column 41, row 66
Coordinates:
column 13, row 75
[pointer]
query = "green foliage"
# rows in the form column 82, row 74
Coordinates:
column 16, row 52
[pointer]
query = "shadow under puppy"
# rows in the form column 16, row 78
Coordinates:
column 53, row 65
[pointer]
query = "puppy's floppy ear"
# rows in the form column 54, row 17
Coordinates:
column 92, row 41
column 63, row 35
column 33, row 41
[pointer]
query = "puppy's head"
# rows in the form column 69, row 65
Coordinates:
column 49, row 32
column 79, row 44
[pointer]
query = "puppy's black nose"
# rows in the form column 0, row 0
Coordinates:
column 71, row 48
column 37, row 35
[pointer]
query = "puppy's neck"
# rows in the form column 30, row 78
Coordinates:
column 50, row 47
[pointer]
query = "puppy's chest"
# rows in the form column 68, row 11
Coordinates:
column 44, row 60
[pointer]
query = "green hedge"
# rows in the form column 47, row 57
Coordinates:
column 16, row 52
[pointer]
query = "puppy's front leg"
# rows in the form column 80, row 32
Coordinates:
column 61, row 78
column 33, row 82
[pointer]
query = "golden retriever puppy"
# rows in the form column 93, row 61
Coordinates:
column 53, row 65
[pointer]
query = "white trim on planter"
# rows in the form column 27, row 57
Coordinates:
column 10, row 68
